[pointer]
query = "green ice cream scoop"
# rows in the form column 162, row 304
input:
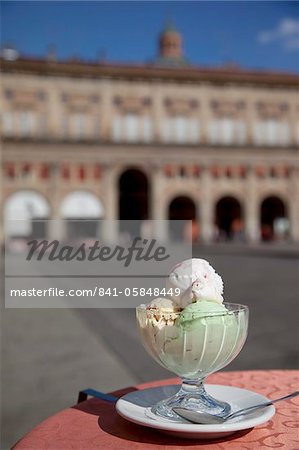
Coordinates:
column 199, row 313
column 208, row 337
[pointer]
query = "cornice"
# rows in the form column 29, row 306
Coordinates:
column 190, row 74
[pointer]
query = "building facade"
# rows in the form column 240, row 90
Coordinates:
column 163, row 140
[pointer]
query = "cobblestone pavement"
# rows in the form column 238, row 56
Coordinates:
column 49, row 355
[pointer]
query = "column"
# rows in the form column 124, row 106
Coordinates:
column 206, row 207
column 294, row 204
column 250, row 121
column 106, row 110
column 56, row 110
column 56, row 226
column 252, row 213
column 157, row 111
column 294, row 126
column 158, row 207
column 205, row 114
column 110, row 192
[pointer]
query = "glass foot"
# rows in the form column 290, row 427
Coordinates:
column 193, row 396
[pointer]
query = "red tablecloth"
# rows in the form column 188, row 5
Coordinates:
column 94, row 424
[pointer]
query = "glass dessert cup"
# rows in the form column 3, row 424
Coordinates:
column 193, row 345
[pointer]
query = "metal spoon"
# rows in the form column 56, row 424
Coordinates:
column 209, row 419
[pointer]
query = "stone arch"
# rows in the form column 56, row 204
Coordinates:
column 82, row 211
column 273, row 217
column 133, row 199
column 181, row 210
column 25, row 214
column 229, row 218
column 233, row 193
column 182, row 207
column 171, row 193
column 81, row 204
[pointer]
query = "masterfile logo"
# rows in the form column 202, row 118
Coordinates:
column 119, row 266
column 140, row 250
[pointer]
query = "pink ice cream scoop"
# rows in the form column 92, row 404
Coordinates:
column 197, row 280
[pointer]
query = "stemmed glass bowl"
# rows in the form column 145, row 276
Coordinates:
column 193, row 345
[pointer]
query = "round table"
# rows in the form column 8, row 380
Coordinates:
column 94, row 423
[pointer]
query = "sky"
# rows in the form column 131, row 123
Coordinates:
column 252, row 34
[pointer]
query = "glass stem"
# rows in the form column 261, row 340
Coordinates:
column 193, row 386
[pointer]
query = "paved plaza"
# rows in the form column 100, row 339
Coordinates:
column 49, row 355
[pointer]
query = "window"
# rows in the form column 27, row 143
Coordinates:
column 117, row 129
column 131, row 123
column 271, row 132
column 227, row 131
column 79, row 125
column 132, row 128
column 26, row 123
column 7, row 123
column 180, row 129
column 226, row 128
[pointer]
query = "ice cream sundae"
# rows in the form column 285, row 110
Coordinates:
column 192, row 332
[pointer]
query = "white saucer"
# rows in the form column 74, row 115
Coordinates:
column 136, row 406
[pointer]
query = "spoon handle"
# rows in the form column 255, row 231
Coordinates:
column 261, row 405
column 294, row 394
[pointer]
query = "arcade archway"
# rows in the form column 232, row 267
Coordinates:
column 25, row 213
column 183, row 209
column 274, row 221
column 133, row 204
column 82, row 211
column 229, row 219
